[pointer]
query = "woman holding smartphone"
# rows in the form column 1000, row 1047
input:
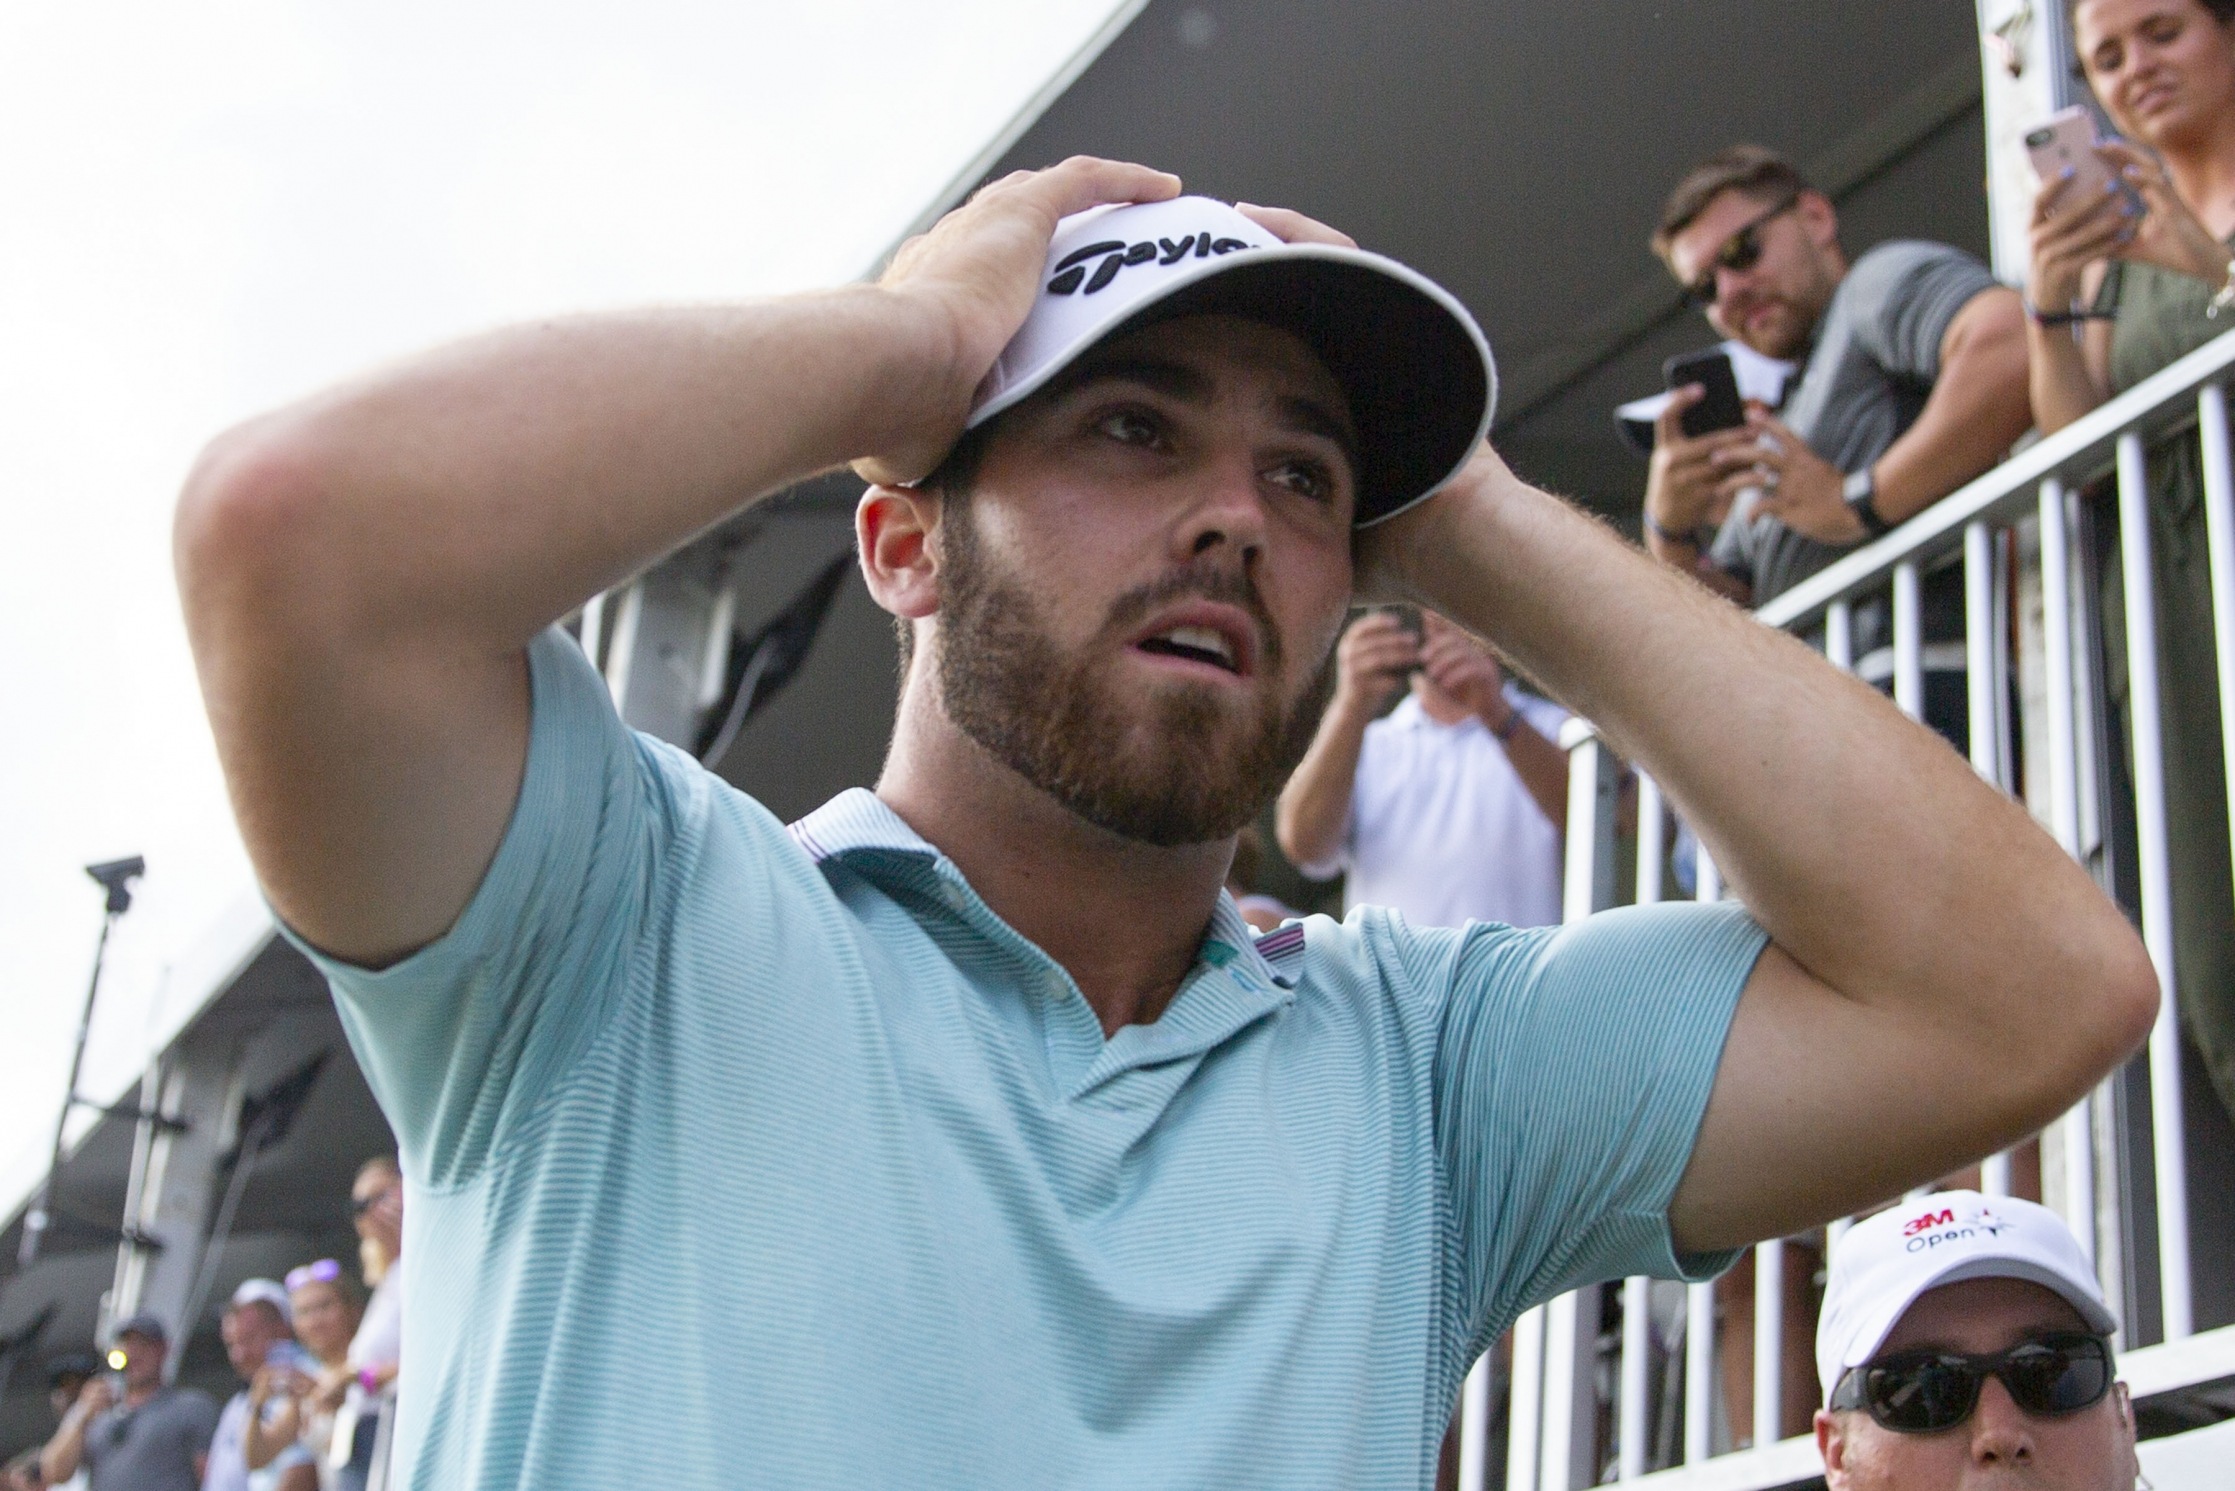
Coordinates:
column 2122, row 285
column 326, row 1308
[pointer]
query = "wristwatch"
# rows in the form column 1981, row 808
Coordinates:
column 1861, row 494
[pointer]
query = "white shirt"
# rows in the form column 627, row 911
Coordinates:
column 1441, row 828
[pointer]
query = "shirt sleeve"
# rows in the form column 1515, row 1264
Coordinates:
column 460, row 1038
column 1904, row 297
column 1572, row 1070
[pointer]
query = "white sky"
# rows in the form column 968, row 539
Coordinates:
column 206, row 209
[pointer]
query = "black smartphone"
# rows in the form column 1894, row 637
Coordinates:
column 1722, row 408
column 1408, row 617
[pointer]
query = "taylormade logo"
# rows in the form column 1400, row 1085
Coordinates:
column 1116, row 255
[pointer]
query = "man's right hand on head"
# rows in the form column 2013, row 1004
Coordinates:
column 1372, row 660
column 977, row 271
column 1683, row 481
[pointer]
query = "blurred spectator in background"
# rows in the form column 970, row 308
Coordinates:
column 2121, row 286
column 1965, row 1343
column 1449, row 810
column 148, row 1437
column 376, row 1201
column 326, row 1308
column 67, row 1376
column 257, row 1335
column 1913, row 381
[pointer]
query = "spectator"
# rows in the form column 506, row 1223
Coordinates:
column 327, row 1309
column 258, row 1335
column 155, row 1438
column 1914, row 383
column 2155, row 287
column 1964, row 1340
column 67, row 1376
column 1449, row 810
column 377, row 1202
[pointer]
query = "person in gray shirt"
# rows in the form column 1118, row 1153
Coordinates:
column 1913, row 381
column 156, row 1438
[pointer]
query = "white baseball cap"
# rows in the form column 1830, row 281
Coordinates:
column 1415, row 365
column 1884, row 1262
column 263, row 1292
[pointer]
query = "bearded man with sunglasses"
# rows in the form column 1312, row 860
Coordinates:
column 1913, row 381
column 1964, row 1342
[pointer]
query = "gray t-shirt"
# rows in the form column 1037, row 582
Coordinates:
column 1877, row 353
column 152, row 1447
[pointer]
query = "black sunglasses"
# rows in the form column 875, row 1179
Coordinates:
column 1739, row 253
column 1925, row 1392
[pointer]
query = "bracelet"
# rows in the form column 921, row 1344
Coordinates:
column 1667, row 535
column 2072, row 317
column 1505, row 731
column 2224, row 297
column 369, row 1380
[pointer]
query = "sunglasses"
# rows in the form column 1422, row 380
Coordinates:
column 1925, row 1392
column 1739, row 253
column 324, row 1271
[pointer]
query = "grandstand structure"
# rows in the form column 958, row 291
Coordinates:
column 1517, row 154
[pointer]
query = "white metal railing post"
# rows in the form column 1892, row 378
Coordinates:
column 1699, row 1372
column 1909, row 641
column 2064, row 807
column 1637, row 1293
column 1769, row 1342
column 1839, row 635
column 1525, row 1408
column 1981, row 676
column 2219, row 541
column 1636, row 1377
column 2168, row 1142
column 1474, row 1426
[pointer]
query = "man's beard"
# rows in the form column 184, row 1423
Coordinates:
column 1186, row 769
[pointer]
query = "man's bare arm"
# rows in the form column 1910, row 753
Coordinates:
column 1979, row 406
column 1943, row 979
column 361, row 572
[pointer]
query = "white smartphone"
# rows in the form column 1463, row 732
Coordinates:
column 2065, row 141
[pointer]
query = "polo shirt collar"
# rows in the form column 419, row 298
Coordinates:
column 1237, row 977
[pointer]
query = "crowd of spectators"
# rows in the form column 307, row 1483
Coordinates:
column 315, row 1359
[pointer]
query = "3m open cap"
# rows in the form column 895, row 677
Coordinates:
column 1414, row 364
column 1882, row 1264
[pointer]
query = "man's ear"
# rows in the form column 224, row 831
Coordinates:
column 1819, row 217
column 1831, row 1448
column 892, row 531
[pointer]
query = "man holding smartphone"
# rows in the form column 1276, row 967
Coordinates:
column 1449, row 808
column 1913, row 382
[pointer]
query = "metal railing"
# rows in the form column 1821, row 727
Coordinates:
column 1584, row 1406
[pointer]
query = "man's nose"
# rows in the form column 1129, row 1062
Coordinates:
column 1227, row 510
column 2000, row 1430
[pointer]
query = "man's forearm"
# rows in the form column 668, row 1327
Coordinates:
column 1542, row 767
column 1978, row 407
column 1942, row 898
column 491, row 486
column 1315, row 805
column 59, row 1460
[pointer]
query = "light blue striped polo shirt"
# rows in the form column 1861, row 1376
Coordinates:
column 741, row 1156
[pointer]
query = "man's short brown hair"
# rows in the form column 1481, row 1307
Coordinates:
column 1759, row 172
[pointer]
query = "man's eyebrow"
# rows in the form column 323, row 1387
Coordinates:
column 1172, row 379
column 1315, row 418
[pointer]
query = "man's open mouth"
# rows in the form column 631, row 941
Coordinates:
column 1199, row 644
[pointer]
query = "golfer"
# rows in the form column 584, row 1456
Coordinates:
column 961, row 1134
